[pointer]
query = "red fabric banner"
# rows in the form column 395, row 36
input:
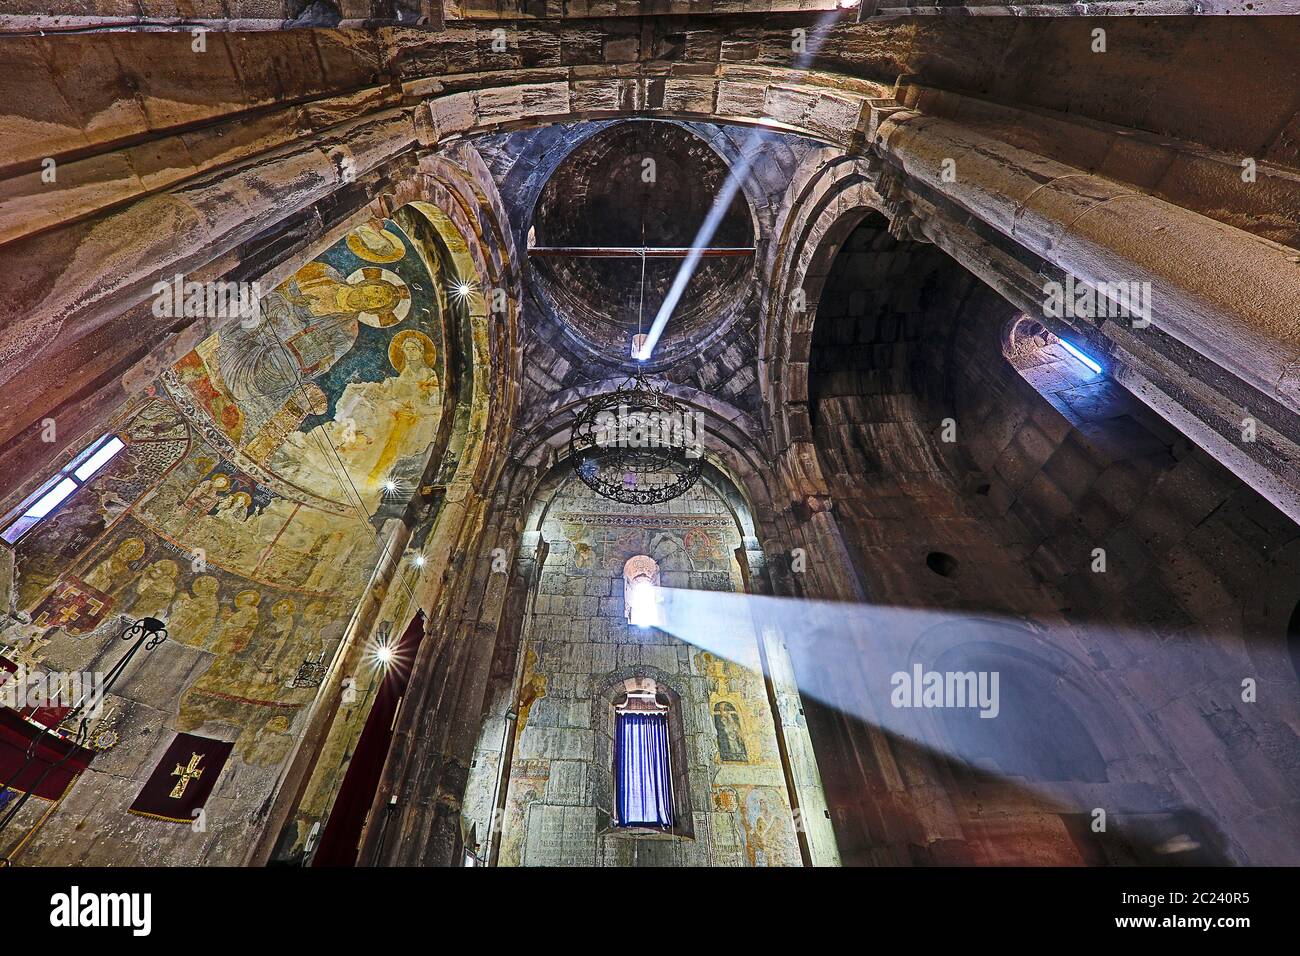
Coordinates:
column 339, row 842
column 183, row 780
column 55, row 762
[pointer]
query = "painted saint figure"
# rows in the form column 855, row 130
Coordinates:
column 731, row 741
column 113, row 573
column 238, row 627
column 155, row 589
column 194, row 615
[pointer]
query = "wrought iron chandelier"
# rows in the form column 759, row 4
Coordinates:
column 636, row 445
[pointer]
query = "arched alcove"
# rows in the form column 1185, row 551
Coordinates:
column 640, row 583
column 656, row 692
column 1058, row 369
column 1035, row 735
column 265, row 473
column 879, row 359
column 577, row 652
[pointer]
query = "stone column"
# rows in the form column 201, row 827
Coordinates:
column 533, row 550
column 832, row 649
column 803, row 778
column 415, row 817
column 1229, row 295
column 829, row 566
column 394, row 537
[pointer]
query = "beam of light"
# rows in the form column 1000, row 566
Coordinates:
column 1091, row 363
column 643, row 604
column 849, row 657
column 843, row 654
column 722, row 202
column 462, row 290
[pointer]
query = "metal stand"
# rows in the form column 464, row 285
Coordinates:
column 149, row 632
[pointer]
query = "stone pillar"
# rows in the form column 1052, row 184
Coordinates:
column 1230, row 296
column 812, row 819
column 527, row 579
column 394, row 537
column 829, row 566
column 415, row 818
column 832, row 651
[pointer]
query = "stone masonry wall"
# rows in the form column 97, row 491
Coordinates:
column 1147, row 657
column 579, row 649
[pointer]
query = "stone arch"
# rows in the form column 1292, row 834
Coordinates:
column 541, row 445
column 441, row 195
column 1055, row 681
column 675, row 562
column 830, row 197
column 880, row 354
column 313, row 173
column 823, row 207
column 450, row 196
column 736, row 96
column 668, row 690
column 548, row 638
column 1032, row 350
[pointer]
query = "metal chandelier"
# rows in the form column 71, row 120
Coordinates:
column 636, row 445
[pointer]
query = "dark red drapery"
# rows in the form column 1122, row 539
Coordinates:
column 338, row 845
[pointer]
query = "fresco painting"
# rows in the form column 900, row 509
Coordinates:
column 240, row 510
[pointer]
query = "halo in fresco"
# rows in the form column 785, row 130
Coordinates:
column 339, row 387
column 240, row 510
column 380, row 297
column 399, row 351
column 373, row 243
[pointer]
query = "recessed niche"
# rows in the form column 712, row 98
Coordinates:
column 941, row 563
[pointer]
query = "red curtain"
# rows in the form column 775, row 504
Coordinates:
column 338, row 845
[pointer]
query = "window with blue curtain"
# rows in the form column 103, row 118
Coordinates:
column 642, row 771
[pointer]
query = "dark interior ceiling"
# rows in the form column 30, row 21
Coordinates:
column 633, row 184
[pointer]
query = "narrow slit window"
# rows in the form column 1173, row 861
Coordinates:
column 50, row 496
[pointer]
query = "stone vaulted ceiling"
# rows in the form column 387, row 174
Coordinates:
column 578, row 333
column 911, row 186
column 639, row 184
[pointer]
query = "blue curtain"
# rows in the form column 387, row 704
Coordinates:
column 644, row 788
